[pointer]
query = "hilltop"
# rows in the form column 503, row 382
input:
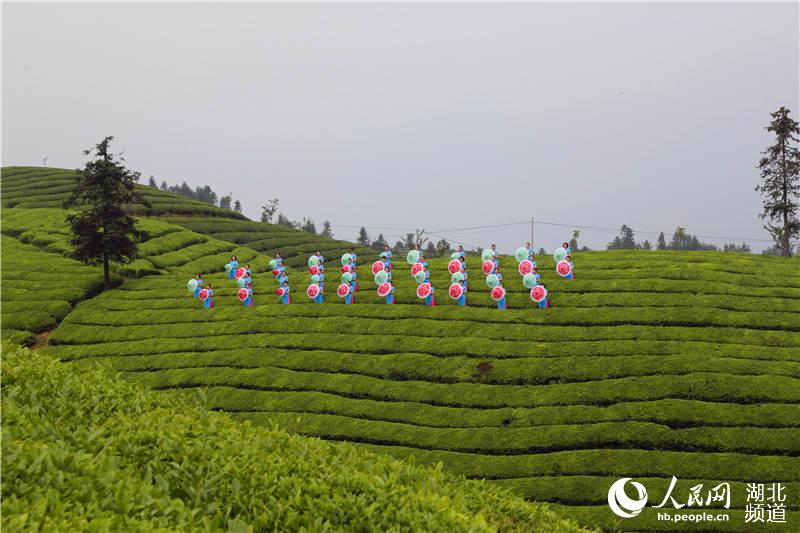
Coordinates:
column 648, row 365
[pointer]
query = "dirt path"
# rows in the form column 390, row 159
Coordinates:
column 42, row 339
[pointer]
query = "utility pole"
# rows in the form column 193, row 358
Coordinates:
column 532, row 232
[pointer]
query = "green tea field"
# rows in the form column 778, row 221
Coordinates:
column 647, row 365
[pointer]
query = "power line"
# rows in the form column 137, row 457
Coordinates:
column 548, row 223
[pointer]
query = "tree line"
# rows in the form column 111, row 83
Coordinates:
column 204, row 194
column 681, row 240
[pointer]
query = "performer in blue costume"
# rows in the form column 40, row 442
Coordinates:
column 348, row 300
column 536, row 274
column 390, row 296
column 234, row 266
column 464, row 271
column 544, row 304
column 571, row 274
column 494, row 256
column 248, row 302
column 321, row 274
column 501, row 303
column 286, row 298
column 282, row 278
column 209, row 302
column 387, row 257
column 199, row 279
column 462, row 300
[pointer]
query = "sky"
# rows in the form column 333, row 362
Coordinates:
column 430, row 116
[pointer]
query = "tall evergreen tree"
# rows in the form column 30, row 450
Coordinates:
column 102, row 231
column 326, row 230
column 309, row 226
column 152, row 183
column 225, row 201
column 646, row 245
column 662, row 242
column 624, row 241
column 780, row 186
column 164, row 186
column 363, row 237
column 206, row 194
column 237, row 206
column 379, row 243
column 283, row 220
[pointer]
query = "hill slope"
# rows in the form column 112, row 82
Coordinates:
column 88, row 451
column 648, row 365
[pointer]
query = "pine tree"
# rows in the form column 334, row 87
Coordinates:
column 152, row 183
column 326, row 230
column 646, row 245
column 102, row 231
column 237, row 206
column 624, row 241
column 283, row 220
column 164, row 186
column 379, row 243
column 225, row 201
column 662, row 242
column 363, row 237
column 309, row 226
column 780, row 188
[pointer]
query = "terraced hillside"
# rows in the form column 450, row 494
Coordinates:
column 681, row 364
column 648, row 364
column 35, row 299
column 293, row 244
column 37, row 187
column 42, row 187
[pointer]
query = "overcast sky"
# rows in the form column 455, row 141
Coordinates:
column 430, row 116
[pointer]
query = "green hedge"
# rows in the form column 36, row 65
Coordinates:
column 671, row 413
column 423, row 367
column 610, row 462
column 698, row 386
column 515, row 441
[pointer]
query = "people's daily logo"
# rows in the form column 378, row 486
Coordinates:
column 621, row 503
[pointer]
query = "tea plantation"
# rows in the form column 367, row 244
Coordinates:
column 84, row 451
column 648, row 364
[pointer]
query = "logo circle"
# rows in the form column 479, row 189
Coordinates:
column 621, row 504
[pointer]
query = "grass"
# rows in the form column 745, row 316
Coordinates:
column 648, row 364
